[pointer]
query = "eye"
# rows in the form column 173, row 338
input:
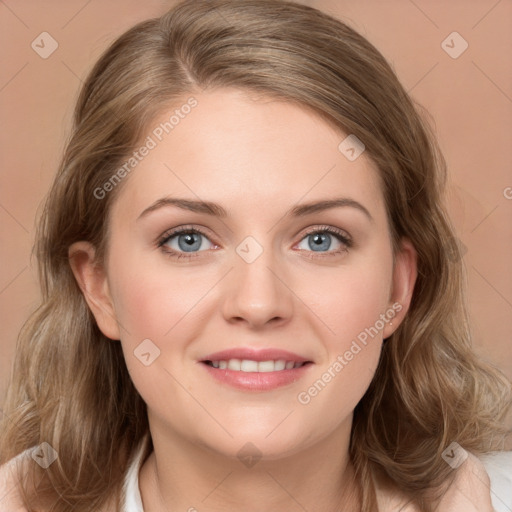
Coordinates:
column 186, row 242
column 320, row 239
column 180, row 241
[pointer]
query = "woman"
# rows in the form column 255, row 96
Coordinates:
column 252, row 298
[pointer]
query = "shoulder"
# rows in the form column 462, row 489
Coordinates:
column 469, row 492
column 10, row 497
column 471, row 489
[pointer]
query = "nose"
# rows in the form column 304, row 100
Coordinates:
column 257, row 293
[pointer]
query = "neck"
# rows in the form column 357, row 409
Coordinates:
column 180, row 475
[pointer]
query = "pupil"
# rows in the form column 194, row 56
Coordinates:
column 320, row 241
column 189, row 241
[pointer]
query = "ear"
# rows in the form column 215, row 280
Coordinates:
column 404, row 277
column 92, row 280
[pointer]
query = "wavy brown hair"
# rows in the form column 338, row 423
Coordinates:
column 70, row 386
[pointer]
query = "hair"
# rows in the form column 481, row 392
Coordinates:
column 70, row 386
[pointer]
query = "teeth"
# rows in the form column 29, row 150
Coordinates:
column 247, row 365
column 279, row 365
column 266, row 366
column 235, row 365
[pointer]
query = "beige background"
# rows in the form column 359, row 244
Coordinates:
column 469, row 97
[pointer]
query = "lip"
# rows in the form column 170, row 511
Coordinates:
column 256, row 381
column 265, row 354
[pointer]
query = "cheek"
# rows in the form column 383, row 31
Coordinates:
column 351, row 305
column 152, row 306
column 157, row 304
column 149, row 300
column 143, row 310
column 350, row 299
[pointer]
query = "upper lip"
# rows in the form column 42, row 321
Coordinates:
column 266, row 354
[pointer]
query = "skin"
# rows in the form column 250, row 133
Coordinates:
column 257, row 158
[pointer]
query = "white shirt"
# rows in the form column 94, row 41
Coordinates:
column 497, row 464
column 132, row 501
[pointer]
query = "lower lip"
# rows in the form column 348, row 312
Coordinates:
column 257, row 381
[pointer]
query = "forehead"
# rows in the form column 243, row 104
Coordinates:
column 245, row 151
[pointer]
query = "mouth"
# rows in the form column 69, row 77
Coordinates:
column 248, row 369
column 252, row 366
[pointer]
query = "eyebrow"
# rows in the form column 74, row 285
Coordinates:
column 216, row 210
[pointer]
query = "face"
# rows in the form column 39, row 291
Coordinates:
column 260, row 276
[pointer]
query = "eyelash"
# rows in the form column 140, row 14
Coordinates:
column 341, row 236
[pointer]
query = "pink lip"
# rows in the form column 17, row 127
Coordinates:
column 256, row 381
column 267, row 354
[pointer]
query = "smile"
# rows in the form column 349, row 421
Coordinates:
column 250, row 366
